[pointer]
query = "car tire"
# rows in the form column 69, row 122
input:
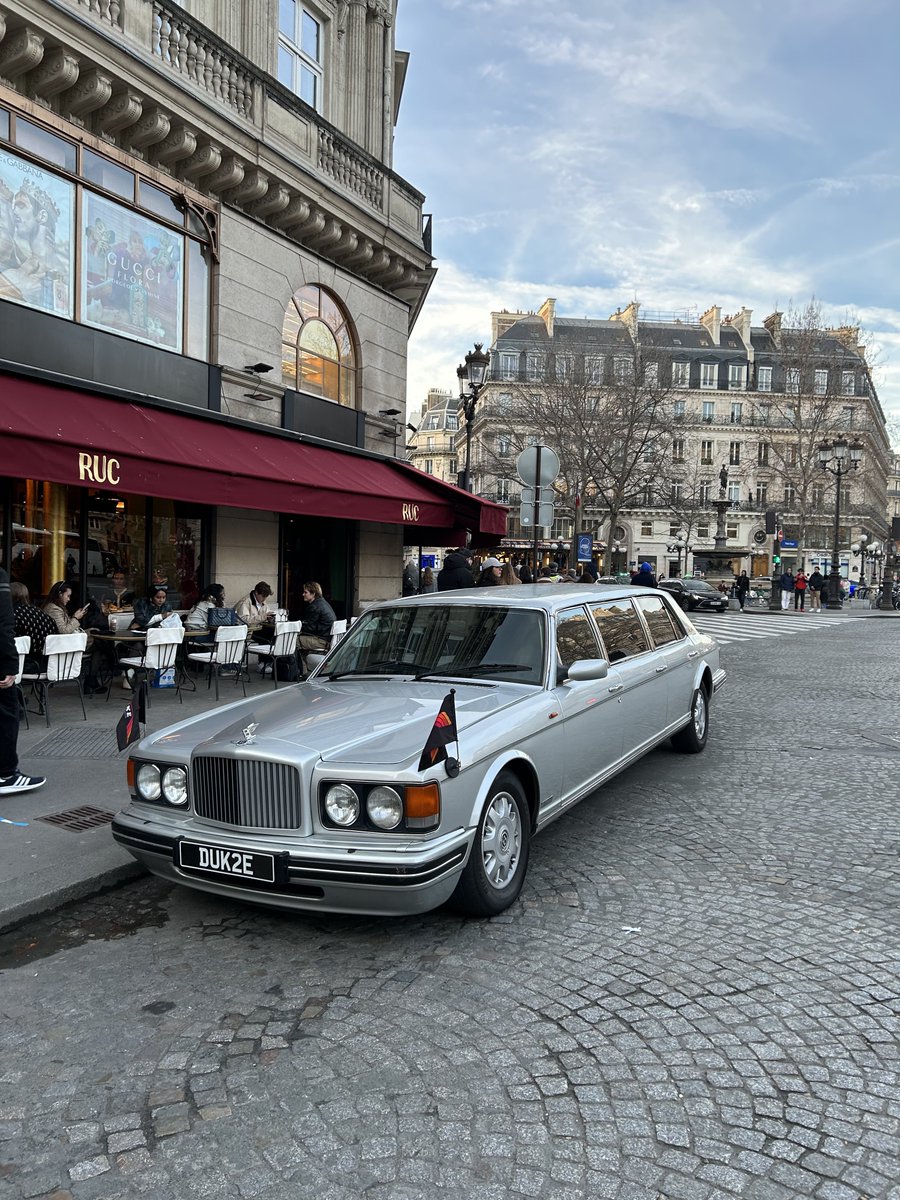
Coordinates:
column 692, row 737
column 493, row 877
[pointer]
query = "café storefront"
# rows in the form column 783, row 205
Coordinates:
column 93, row 485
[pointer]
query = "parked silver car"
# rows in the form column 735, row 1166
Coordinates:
column 424, row 752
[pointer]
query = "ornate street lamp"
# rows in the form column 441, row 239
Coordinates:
column 472, row 376
column 838, row 459
column 677, row 546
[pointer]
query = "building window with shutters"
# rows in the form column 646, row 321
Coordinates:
column 762, row 495
column 764, row 379
column 820, row 383
column 705, row 490
column 678, row 410
column 678, row 450
column 762, row 454
column 848, row 383
column 681, row 374
column 734, row 454
column 790, row 495
column 737, row 410
column 734, row 492
column 792, row 381
column 706, row 451
column 736, row 373
column 709, row 375
column 709, row 411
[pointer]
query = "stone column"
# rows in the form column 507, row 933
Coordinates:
column 355, row 76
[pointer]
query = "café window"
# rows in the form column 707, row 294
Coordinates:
column 318, row 352
column 82, row 244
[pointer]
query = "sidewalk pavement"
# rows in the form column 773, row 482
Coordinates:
column 44, row 864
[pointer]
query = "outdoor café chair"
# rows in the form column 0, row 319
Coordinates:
column 64, row 653
column 160, row 653
column 23, row 645
column 284, row 646
column 229, row 650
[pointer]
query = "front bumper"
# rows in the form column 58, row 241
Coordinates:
column 323, row 876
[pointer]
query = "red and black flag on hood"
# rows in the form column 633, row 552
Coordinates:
column 128, row 729
column 443, row 732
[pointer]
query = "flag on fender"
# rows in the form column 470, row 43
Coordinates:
column 128, row 729
column 443, row 732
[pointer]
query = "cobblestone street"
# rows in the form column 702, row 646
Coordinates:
column 698, row 996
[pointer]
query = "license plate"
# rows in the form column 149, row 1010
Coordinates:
column 226, row 863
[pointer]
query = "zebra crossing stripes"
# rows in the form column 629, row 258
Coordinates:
column 747, row 627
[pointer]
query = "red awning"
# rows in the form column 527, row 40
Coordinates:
column 73, row 437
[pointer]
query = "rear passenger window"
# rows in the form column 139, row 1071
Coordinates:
column 575, row 637
column 657, row 616
column 621, row 629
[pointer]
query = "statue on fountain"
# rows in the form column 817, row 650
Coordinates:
column 723, row 478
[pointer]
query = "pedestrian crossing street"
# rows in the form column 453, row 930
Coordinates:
column 736, row 627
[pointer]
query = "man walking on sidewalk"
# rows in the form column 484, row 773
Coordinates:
column 787, row 589
column 11, row 780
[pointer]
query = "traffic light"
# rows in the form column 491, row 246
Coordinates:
column 771, row 520
column 776, row 553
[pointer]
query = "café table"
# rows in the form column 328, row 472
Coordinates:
column 136, row 637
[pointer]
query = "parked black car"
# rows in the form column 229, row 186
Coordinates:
column 694, row 594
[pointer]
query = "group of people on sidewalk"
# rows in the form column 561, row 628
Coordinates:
column 796, row 587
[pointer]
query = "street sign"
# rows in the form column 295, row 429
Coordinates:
column 585, row 547
column 526, row 465
column 545, row 515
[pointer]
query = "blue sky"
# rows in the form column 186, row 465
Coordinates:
column 680, row 152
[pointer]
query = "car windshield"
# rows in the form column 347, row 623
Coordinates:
column 468, row 641
column 698, row 585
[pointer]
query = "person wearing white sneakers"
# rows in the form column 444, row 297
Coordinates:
column 12, row 780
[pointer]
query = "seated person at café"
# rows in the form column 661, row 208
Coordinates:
column 198, row 618
column 154, row 605
column 211, row 597
column 256, row 606
column 318, row 618
column 56, row 608
column 96, row 658
column 121, row 596
column 31, row 621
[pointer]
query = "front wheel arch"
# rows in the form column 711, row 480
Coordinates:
column 692, row 738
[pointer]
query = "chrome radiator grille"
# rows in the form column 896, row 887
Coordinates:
column 247, row 792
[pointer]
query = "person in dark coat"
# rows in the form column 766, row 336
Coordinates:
column 456, row 572
column 741, row 588
column 12, row 781
column 644, row 576
column 816, row 583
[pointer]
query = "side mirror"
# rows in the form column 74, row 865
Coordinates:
column 588, row 668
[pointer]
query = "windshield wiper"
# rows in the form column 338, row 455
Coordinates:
column 488, row 669
column 387, row 666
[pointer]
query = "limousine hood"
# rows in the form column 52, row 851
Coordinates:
column 384, row 721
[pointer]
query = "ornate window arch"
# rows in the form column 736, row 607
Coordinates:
column 318, row 347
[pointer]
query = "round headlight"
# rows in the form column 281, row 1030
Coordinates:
column 174, row 785
column 147, row 781
column 342, row 804
column 385, row 808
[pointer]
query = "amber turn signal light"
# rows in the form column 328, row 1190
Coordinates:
column 423, row 805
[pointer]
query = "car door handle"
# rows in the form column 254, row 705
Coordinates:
column 660, row 670
column 616, row 687
column 693, row 653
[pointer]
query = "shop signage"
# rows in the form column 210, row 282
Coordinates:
column 98, row 468
column 410, row 513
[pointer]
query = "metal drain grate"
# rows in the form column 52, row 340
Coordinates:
column 79, row 819
column 77, row 741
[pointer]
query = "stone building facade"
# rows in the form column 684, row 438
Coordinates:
column 754, row 400
column 201, row 235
